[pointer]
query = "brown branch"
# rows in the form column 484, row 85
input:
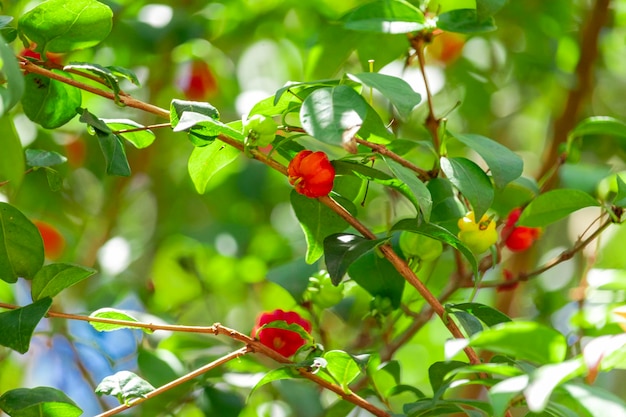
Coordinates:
column 382, row 149
column 582, row 89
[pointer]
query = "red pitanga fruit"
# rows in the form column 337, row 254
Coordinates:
column 518, row 238
column 51, row 56
column 53, row 240
column 197, row 81
column 285, row 342
column 311, row 174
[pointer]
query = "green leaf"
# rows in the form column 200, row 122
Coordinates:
column 293, row 277
column 205, row 128
column 505, row 165
column 54, row 278
column 21, row 246
column 438, row 375
column 437, row 232
column 487, row 8
column 501, row 394
column 599, row 125
column 38, row 402
column 140, row 139
column 206, row 161
column 293, row 327
column 488, row 315
column 122, row 72
column 470, row 323
column 12, row 164
column 333, row 115
column 18, row 325
column 545, row 379
column 286, row 372
column 523, row 340
column 341, row 250
column 105, row 74
column 111, row 313
column 395, row 89
column 317, row 222
column 386, row 16
column 554, row 205
column 41, row 158
column 378, row 277
column 114, row 154
column 465, row 21
column 596, row 401
column 124, row 385
column 61, row 26
column 342, row 367
column 471, row 181
column 49, row 102
column 178, row 107
column 417, row 187
column 12, row 88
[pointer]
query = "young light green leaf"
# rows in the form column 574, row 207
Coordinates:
column 111, row 313
column 178, row 107
column 49, row 102
column 395, row 89
column 523, row 340
column 333, row 115
column 417, row 187
column 504, row 164
column 488, row 315
column 341, row 250
column 21, row 246
column 40, row 402
column 378, row 277
column 317, row 222
column 465, row 21
column 206, row 161
column 13, row 79
column 286, row 372
column 386, row 16
column 61, row 26
column 139, row 138
column 554, row 205
column 54, row 278
column 18, row 325
column 471, row 181
column 341, row 367
column 114, row 154
column 124, row 385
column 545, row 379
column 41, row 158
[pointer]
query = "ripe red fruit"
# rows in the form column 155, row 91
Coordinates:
column 53, row 240
column 197, row 81
column 311, row 174
column 285, row 342
column 52, row 57
column 518, row 238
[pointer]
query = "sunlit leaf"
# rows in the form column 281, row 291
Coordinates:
column 124, row 385
column 342, row 367
column 341, row 250
column 385, row 16
column 207, row 161
column 38, row 402
column 140, row 138
column 395, row 89
column 54, row 278
column 111, row 313
column 49, row 102
column 471, row 181
column 554, row 205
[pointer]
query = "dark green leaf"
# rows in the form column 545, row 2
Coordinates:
column 111, row 313
column 333, row 115
column 341, row 250
column 395, row 89
column 125, row 386
column 465, row 21
column 385, row 16
column 206, row 161
column 317, row 222
column 342, row 367
column 21, row 246
column 41, row 158
column 95, row 123
column 103, row 73
column 470, row 323
column 61, row 26
column 489, row 315
column 38, row 402
column 18, row 325
column 378, row 276
column 487, row 8
column 447, row 209
column 471, row 181
column 12, row 88
column 417, row 187
column 437, row 373
column 49, row 102
column 554, row 205
column 505, row 165
column 121, row 72
column 139, row 138
column 54, row 278
column 114, row 155
column 293, row 277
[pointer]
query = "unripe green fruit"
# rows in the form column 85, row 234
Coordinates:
column 259, row 130
column 607, row 188
column 323, row 293
column 415, row 245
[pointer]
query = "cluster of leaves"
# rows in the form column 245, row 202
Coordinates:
column 532, row 366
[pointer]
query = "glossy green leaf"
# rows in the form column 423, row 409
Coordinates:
column 293, row 277
column 114, row 154
column 395, row 89
column 18, row 325
column 378, row 277
column 206, row 161
column 317, row 222
column 524, row 341
column 544, row 380
column 599, row 125
column 140, row 139
column 554, row 205
column 49, row 102
column 333, row 115
column 342, row 367
column 374, row 129
column 504, row 164
column 489, row 315
column 471, row 181
column 503, row 369
column 41, row 158
column 385, row 16
column 93, row 122
column 124, row 385
column 12, row 165
column 596, row 401
column 417, row 187
column 12, row 87
column 465, row 21
column 438, row 375
column 38, row 402
column 200, row 114
column 111, row 313
column 204, row 127
column 61, row 26
column 54, row 278
column 21, row 246
column 341, row 250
